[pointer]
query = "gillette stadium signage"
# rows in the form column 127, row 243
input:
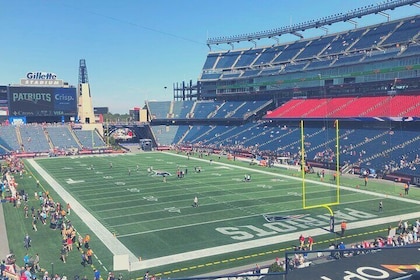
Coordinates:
column 41, row 79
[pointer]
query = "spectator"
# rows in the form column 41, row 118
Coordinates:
column 343, row 227
column 27, row 241
column 96, row 274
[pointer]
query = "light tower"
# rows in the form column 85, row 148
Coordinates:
column 86, row 115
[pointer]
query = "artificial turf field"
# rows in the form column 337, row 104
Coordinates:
column 153, row 218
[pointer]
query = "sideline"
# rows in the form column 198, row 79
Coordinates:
column 4, row 248
column 107, row 238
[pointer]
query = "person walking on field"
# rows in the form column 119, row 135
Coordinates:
column 406, row 188
column 310, row 242
column 343, row 228
column 381, row 206
column 27, row 242
column 195, row 203
column 68, row 209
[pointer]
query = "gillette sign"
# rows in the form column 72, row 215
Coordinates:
column 41, row 76
column 41, row 79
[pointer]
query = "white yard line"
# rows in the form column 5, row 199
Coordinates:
column 107, row 238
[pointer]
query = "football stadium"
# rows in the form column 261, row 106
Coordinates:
column 292, row 160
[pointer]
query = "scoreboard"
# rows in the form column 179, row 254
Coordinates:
column 42, row 101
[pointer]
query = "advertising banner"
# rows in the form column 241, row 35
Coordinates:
column 42, row 101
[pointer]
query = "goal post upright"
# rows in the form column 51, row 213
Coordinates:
column 337, row 175
column 302, row 163
column 337, row 157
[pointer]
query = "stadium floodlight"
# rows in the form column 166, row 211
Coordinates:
column 341, row 17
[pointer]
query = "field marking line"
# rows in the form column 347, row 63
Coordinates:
column 104, row 235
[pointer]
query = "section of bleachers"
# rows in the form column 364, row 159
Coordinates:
column 61, row 137
column 34, row 138
column 315, row 48
column 158, row 109
column 291, row 51
column 268, row 55
column 211, row 60
column 203, row 109
column 350, row 107
column 348, row 59
column 227, row 109
column 181, row 109
column 374, row 36
column 319, row 64
column 164, row 134
column 210, row 76
column 226, row 60
column 89, row 139
column 248, row 57
column 9, row 139
column 195, row 132
column 405, row 32
column 381, row 55
column 180, row 133
column 342, row 42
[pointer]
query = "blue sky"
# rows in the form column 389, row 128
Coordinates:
column 136, row 48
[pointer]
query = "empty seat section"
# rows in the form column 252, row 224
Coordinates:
column 247, row 57
column 405, row 32
column 288, row 53
column 315, row 48
column 90, row 139
column 342, row 42
column 374, row 36
column 181, row 109
column 268, row 55
column 210, row 60
column 203, row 109
column 9, row 138
column 34, row 138
column 61, row 137
column 226, row 60
column 159, row 109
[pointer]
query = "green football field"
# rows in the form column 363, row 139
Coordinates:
column 237, row 223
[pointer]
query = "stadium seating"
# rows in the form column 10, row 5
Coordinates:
column 203, row 109
column 407, row 30
column 61, row 137
column 89, row 139
column 181, row 109
column 34, row 138
column 9, row 139
column 158, row 109
column 248, row 57
column 350, row 107
column 164, row 135
column 373, row 36
column 226, row 60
